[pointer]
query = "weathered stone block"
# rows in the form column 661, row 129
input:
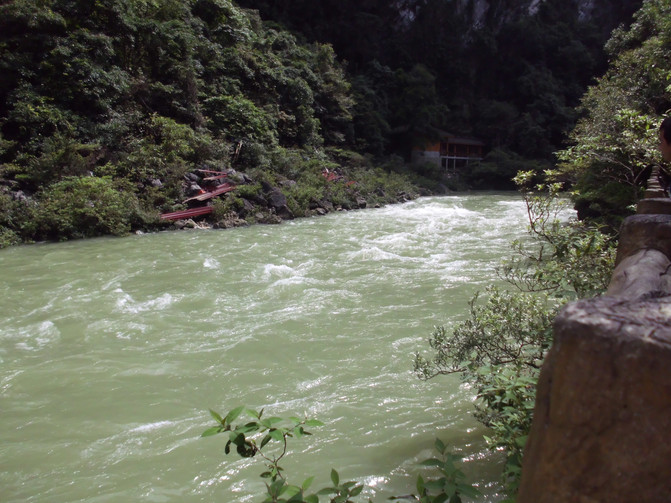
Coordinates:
column 603, row 409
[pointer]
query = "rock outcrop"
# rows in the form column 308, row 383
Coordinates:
column 603, row 407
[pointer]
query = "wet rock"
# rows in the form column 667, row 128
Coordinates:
column 268, row 218
column 229, row 221
column 185, row 224
column 327, row 205
column 248, row 207
column 361, row 202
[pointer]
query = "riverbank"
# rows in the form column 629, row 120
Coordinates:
column 295, row 184
column 246, row 202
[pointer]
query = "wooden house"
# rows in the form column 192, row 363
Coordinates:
column 449, row 151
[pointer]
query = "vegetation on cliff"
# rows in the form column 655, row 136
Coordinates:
column 615, row 142
column 108, row 110
column 510, row 72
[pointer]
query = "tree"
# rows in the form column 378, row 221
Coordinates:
column 616, row 139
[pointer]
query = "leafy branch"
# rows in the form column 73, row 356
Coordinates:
column 253, row 438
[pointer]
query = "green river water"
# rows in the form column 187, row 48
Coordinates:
column 112, row 351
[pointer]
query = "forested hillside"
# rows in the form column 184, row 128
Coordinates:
column 508, row 71
column 108, row 110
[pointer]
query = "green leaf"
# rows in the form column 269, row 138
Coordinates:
column 434, row 485
column 265, row 440
column 276, row 434
column 313, row 498
column 440, row 446
column 216, row 417
column 211, row 431
column 356, row 491
column 291, row 491
column 253, row 413
column 335, row 478
column 420, row 485
column 233, row 415
column 307, row 483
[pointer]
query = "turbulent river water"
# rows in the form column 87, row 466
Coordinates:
column 112, row 351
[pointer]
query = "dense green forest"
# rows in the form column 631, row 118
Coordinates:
column 495, row 70
column 108, row 110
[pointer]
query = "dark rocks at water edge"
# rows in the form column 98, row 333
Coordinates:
column 262, row 202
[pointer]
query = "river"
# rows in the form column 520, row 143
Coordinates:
column 113, row 349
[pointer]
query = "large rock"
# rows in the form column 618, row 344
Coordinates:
column 603, row 408
column 642, row 232
column 278, row 201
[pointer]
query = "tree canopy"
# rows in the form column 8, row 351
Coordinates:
column 616, row 139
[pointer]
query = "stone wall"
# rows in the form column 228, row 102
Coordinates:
column 602, row 422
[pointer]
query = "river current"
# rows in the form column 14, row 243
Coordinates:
column 112, row 350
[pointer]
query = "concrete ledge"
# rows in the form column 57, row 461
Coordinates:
column 641, row 232
column 644, row 272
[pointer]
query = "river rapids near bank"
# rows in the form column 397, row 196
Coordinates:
column 112, row 350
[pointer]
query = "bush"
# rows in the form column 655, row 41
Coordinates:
column 79, row 207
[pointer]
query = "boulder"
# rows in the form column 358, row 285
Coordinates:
column 278, row 201
column 327, row 205
column 185, row 224
column 229, row 221
column 603, row 406
column 247, row 207
column 194, row 189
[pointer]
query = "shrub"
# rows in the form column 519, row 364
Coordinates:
column 500, row 347
column 78, row 207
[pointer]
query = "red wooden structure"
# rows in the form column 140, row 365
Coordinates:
column 205, row 194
